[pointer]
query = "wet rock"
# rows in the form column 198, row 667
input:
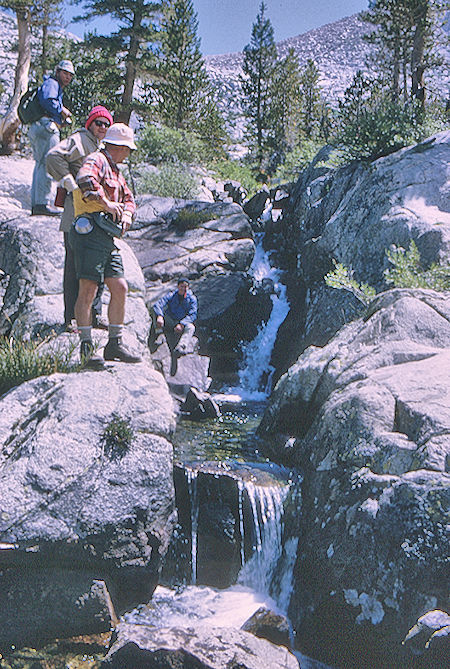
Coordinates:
column 429, row 639
column 49, row 602
column 352, row 215
column 268, row 625
column 200, row 405
column 256, row 205
column 196, row 646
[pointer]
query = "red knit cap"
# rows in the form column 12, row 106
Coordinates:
column 98, row 112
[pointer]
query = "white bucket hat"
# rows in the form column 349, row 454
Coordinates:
column 120, row 134
column 66, row 65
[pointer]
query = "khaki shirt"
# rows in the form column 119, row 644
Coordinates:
column 66, row 158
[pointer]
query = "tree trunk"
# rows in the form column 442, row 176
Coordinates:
column 123, row 115
column 417, row 56
column 10, row 122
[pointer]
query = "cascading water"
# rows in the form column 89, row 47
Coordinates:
column 255, row 376
column 191, row 475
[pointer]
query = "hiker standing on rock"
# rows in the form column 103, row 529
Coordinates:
column 63, row 163
column 104, row 208
column 44, row 134
column 176, row 313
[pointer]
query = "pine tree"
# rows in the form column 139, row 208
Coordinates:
column 403, row 42
column 47, row 15
column 258, row 67
column 285, row 108
column 93, row 85
column 182, row 83
column 135, row 32
column 311, row 100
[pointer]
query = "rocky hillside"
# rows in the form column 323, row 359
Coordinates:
column 337, row 48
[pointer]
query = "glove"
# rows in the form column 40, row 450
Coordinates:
column 69, row 183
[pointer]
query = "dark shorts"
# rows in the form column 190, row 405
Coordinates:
column 96, row 256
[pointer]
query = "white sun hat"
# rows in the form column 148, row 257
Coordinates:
column 120, row 134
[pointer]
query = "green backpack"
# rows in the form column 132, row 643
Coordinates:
column 29, row 109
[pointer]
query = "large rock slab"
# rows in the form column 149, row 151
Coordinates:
column 216, row 256
column 196, row 646
column 353, row 215
column 31, row 299
column 367, row 421
column 84, row 504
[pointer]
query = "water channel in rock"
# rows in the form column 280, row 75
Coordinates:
column 261, row 497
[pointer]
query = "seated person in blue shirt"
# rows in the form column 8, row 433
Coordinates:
column 175, row 314
column 44, row 135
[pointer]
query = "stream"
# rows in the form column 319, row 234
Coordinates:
column 228, row 447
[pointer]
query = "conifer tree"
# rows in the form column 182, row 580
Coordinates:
column 136, row 30
column 311, row 100
column 285, row 108
column 258, row 67
column 93, row 85
column 182, row 82
column 403, row 41
column 47, row 15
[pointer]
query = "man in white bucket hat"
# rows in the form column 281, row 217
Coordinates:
column 104, row 208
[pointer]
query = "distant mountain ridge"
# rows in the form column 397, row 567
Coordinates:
column 337, row 48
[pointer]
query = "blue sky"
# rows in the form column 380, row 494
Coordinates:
column 225, row 25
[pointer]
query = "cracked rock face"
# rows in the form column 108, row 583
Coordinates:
column 368, row 417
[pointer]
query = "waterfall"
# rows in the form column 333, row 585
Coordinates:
column 191, row 475
column 255, row 377
column 261, row 571
column 268, row 571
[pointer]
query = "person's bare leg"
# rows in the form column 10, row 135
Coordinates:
column 83, row 314
column 118, row 288
column 86, row 293
column 114, row 349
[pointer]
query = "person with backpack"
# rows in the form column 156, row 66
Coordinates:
column 63, row 163
column 44, row 134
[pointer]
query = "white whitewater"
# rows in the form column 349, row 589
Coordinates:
column 255, row 377
column 191, row 475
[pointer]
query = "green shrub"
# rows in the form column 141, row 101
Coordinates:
column 407, row 271
column 117, row 437
column 188, row 218
column 235, row 170
column 170, row 181
column 342, row 278
column 159, row 144
column 371, row 124
column 24, row 360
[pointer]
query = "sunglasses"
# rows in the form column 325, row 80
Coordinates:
column 102, row 124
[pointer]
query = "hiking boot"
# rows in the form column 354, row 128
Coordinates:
column 115, row 350
column 88, row 356
column 44, row 210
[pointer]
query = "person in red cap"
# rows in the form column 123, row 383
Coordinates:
column 63, row 163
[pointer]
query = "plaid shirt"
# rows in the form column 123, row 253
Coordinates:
column 100, row 177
